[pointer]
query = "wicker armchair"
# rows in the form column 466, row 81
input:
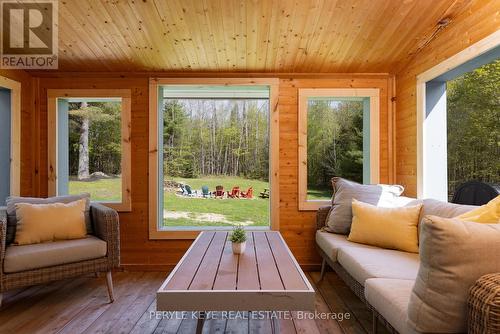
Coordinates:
column 106, row 227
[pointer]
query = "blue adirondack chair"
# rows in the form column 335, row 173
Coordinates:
column 205, row 192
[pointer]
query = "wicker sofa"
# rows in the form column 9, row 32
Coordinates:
column 27, row 265
column 383, row 279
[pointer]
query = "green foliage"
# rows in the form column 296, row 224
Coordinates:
column 334, row 141
column 216, row 137
column 473, row 116
column 238, row 235
column 104, row 136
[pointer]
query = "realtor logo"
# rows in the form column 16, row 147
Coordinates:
column 29, row 37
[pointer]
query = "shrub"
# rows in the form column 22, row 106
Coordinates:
column 238, row 235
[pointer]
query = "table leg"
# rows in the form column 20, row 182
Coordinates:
column 201, row 320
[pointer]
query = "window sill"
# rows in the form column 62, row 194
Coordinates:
column 313, row 205
column 191, row 233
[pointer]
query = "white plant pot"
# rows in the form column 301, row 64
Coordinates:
column 239, row 248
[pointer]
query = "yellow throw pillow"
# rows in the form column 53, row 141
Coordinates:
column 485, row 214
column 49, row 222
column 394, row 228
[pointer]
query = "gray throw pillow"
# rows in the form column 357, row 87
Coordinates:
column 344, row 191
column 13, row 200
column 453, row 255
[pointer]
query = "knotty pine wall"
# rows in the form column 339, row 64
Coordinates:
column 478, row 21
column 298, row 228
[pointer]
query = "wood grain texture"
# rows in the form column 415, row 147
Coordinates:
column 80, row 306
column 137, row 250
column 477, row 19
column 22, row 181
column 246, row 36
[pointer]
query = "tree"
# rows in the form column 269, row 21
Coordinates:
column 473, row 131
column 82, row 118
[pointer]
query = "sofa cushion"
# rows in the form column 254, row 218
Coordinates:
column 28, row 257
column 13, row 200
column 344, row 191
column 392, row 228
column 365, row 263
column 330, row 243
column 453, row 254
column 442, row 209
column 485, row 214
column 390, row 298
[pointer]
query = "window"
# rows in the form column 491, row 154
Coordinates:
column 216, row 157
column 338, row 136
column 458, row 121
column 89, row 145
column 10, row 128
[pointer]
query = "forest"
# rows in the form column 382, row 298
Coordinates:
column 473, row 103
column 334, row 142
column 94, row 139
column 216, row 137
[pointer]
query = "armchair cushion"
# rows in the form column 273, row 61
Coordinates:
column 13, row 200
column 48, row 254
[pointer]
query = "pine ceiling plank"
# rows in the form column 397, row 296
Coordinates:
column 248, row 36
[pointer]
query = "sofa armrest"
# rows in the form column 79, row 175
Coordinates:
column 484, row 305
column 106, row 225
column 321, row 216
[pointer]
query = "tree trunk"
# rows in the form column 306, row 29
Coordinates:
column 83, row 148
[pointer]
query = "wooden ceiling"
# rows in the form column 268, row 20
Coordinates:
column 247, row 36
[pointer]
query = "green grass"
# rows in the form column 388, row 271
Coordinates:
column 105, row 190
column 234, row 211
column 319, row 194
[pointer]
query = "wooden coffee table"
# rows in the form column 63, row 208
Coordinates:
column 209, row 277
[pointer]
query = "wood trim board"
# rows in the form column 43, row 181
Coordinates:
column 126, row 100
column 15, row 134
column 154, row 84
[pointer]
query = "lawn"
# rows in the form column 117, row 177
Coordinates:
column 319, row 194
column 104, row 190
column 193, row 211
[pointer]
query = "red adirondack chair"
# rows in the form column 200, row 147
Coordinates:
column 219, row 192
column 247, row 194
column 235, row 192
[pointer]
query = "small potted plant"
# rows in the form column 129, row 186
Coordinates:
column 239, row 240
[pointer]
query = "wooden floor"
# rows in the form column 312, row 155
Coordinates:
column 81, row 306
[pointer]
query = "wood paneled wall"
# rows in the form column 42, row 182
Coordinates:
column 298, row 228
column 478, row 21
column 27, row 108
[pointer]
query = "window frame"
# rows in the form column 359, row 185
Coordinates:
column 125, row 94
column 373, row 94
column 154, row 83
column 432, row 153
column 15, row 133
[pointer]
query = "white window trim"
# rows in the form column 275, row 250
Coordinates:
column 125, row 94
column 430, row 163
column 154, row 83
column 304, row 93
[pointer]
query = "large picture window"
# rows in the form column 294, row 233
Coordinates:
column 338, row 136
column 89, row 145
column 457, row 121
column 215, row 157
